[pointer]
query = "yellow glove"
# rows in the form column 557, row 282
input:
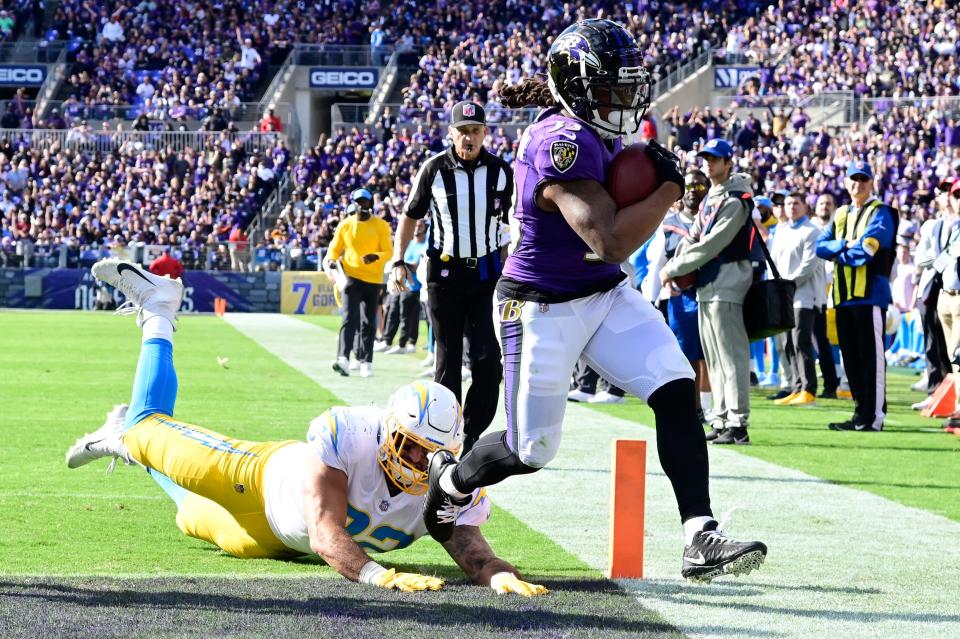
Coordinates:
column 504, row 582
column 407, row 581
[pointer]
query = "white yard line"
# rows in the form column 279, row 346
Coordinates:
column 843, row 562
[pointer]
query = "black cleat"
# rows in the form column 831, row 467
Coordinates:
column 440, row 510
column 828, row 394
column 854, row 426
column 713, row 433
column 779, row 394
column 735, row 435
column 712, row 554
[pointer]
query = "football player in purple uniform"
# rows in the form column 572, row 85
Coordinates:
column 562, row 294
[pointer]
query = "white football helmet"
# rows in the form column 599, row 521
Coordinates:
column 426, row 414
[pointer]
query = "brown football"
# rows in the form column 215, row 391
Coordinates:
column 631, row 176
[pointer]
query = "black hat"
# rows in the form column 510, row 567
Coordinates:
column 466, row 113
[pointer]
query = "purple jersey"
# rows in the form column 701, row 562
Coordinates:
column 549, row 259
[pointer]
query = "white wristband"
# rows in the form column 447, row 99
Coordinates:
column 370, row 571
column 497, row 580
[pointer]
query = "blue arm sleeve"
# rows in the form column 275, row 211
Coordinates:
column 827, row 246
column 878, row 234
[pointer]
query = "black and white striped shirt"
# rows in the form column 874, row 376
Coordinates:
column 467, row 201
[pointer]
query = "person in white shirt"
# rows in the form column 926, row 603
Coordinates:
column 794, row 253
column 355, row 486
column 146, row 90
column 249, row 57
column 934, row 234
column 113, row 30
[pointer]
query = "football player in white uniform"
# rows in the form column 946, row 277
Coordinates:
column 355, row 486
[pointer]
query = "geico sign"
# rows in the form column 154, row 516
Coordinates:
column 21, row 75
column 343, row 79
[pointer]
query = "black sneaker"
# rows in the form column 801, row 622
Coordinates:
column 780, row 394
column 440, row 510
column 854, row 426
column 828, row 394
column 713, row 433
column 735, row 435
column 712, row 554
column 754, row 380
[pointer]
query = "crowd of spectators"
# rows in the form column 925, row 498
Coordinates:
column 183, row 60
column 874, row 48
column 93, row 201
column 508, row 42
column 910, row 149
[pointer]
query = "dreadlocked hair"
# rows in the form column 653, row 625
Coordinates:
column 528, row 92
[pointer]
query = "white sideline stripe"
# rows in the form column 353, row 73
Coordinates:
column 843, row 562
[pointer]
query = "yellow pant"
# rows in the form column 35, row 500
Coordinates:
column 224, row 477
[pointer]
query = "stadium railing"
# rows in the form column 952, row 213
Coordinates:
column 54, row 76
column 344, row 55
column 245, row 112
column 32, row 51
column 212, row 256
column 840, row 108
column 96, row 141
column 681, row 73
column 352, row 114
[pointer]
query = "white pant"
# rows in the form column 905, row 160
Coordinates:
column 617, row 332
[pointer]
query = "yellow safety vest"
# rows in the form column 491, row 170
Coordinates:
column 852, row 282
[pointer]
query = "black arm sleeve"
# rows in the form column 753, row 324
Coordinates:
column 507, row 202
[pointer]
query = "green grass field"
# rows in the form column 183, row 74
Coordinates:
column 88, row 554
column 78, row 541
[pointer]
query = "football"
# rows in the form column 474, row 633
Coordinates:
column 631, row 176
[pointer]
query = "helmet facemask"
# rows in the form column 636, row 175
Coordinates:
column 401, row 471
column 425, row 415
column 624, row 101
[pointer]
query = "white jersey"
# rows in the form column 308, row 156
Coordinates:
column 348, row 439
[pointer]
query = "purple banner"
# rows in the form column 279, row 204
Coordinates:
column 76, row 289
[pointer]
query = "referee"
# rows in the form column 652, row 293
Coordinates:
column 467, row 192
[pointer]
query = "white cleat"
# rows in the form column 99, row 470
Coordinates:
column 366, row 369
column 603, row 397
column 106, row 441
column 394, row 350
column 144, row 291
column 379, row 346
column 577, row 395
column 428, row 361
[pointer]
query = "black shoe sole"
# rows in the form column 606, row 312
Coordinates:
column 436, row 495
column 340, row 369
column 742, row 565
column 712, row 435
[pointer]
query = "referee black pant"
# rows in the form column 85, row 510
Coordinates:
column 457, row 296
column 860, row 329
column 360, row 301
